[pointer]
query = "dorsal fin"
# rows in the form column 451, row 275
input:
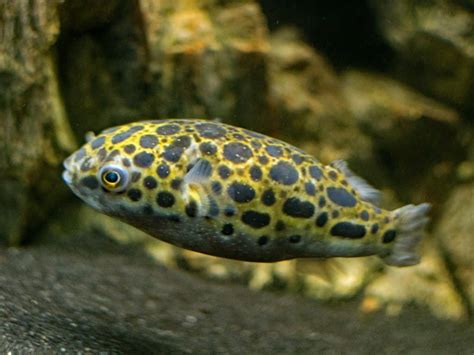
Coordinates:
column 366, row 191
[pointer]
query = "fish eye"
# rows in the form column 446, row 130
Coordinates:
column 113, row 178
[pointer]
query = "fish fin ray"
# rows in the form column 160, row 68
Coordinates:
column 199, row 173
column 410, row 228
column 197, row 186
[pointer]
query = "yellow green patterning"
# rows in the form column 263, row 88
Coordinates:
column 234, row 193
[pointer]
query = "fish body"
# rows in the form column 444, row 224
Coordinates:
column 230, row 192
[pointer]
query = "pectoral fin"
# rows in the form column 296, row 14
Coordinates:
column 197, row 187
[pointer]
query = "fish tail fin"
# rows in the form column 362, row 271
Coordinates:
column 411, row 221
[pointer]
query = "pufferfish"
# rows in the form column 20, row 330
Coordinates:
column 234, row 193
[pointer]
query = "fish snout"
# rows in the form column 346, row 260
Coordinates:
column 68, row 173
column 67, row 177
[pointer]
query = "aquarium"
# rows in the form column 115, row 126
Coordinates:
column 236, row 176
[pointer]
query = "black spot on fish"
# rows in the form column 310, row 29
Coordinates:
column 322, row 202
column 168, row 129
column 255, row 173
column 310, row 189
column 163, row 171
column 364, row 215
column 256, row 219
column 341, row 197
column 125, row 135
column 315, row 172
column 274, row 151
column 90, row 182
column 213, row 210
column 126, row 162
column 191, row 209
column 280, row 226
column 374, row 229
column 134, row 194
column 150, row 182
column 101, row 154
column 238, row 136
column 322, row 219
column 81, row 153
column 136, row 175
column 173, row 154
column 208, row 148
column 237, row 152
column 224, row 171
column 241, row 193
column 216, row 187
column 294, row 207
column 262, row 159
column 227, row 229
column 182, row 142
column 143, row 159
column 176, row 183
column 210, row 130
column 284, row 173
column 389, row 236
column 129, row 148
column 165, row 199
column 333, row 175
column 112, row 155
column 348, row 230
column 262, row 240
column 298, row 159
column 294, row 238
column 229, row 211
column 335, row 214
column 86, row 164
column 255, row 144
column 268, row 197
column 98, row 142
column 148, row 141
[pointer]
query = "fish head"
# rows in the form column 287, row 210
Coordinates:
column 100, row 173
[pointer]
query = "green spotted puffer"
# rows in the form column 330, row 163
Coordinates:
column 230, row 192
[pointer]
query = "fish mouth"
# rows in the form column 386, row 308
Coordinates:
column 67, row 177
column 67, row 174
